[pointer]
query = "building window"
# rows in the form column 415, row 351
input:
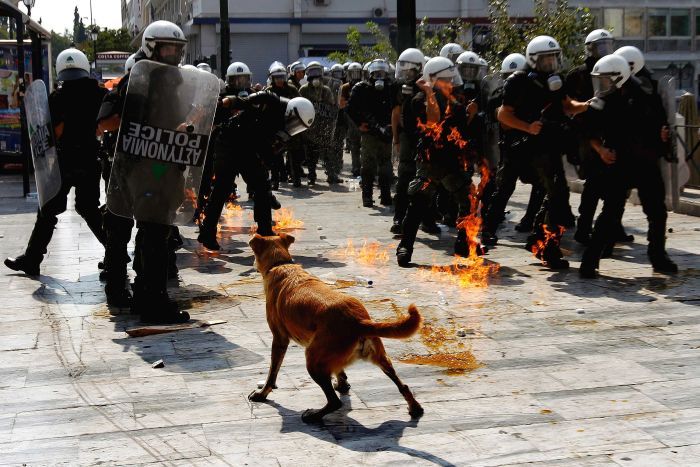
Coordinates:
column 613, row 20
column 657, row 22
column 634, row 22
column 680, row 22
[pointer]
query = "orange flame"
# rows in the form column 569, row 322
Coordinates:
column 370, row 253
column 549, row 236
column 284, row 220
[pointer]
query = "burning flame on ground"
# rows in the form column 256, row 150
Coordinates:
column 472, row 271
column 549, row 236
column 370, row 253
column 284, row 221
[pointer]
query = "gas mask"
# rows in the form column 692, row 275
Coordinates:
column 378, row 77
column 316, row 82
column 553, row 81
column 407, row 90
column 379, row 84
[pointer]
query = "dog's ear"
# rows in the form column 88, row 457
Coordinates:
column 286, row 239
column 257, row 243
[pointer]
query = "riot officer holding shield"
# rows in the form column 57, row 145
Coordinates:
column 352, row 76
column 281, row 87
column 73, row 108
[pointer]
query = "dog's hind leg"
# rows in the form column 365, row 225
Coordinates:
column 279, row 349
column 319, row 369
column 379, row 358
column 342, row 385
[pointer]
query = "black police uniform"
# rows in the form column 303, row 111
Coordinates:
column 512, row 166
column 630, row 124
column 354, row 139
column 75, row 105
column 440, row 162
column 528, row 94
column 281, row 169
column 579, row 86
column 372, row 107
column 408, row 140
column 297, row 151
column 247, row 143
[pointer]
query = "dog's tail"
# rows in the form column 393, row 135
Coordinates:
column 400, row 329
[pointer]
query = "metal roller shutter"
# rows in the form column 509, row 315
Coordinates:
column 258, row 51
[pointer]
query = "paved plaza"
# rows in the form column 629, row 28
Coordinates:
column 533, row 367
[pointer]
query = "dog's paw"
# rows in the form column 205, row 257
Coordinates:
column 257, row 396
column 312, row 416
column 416, row 411
column 342, row 387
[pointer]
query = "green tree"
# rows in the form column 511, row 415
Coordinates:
column 566, row 24
column 59, row 43
column 358, row 52
column 431, row 40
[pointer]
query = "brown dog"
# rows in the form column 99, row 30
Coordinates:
column 335, row 328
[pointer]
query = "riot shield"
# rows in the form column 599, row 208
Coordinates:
column 46, row 169
column 162, row 143
column 322, row 130
column 491, row 90
column 667, row 91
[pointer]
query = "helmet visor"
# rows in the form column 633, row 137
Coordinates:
column 378, row 74
column 354, row 75
column 602, row 85
column 337, row 74
column 169, row 53
column 548, row 62
column 406, row 70
column 294, row 124
column 239, row 81
column 315, row 72
column 601, row 48
column 469, row 72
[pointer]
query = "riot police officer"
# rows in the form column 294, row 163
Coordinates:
column 279, row 85
column 370, row 108
column 341, row 126
column 442, row 160
column 598, row 44
column 73, row 107
column 352, row 76
column 512, row 166
column 246, row 144
column 533, row 116
column 409, row 68
column 451, row 51
column 317, row 143
column 163, row 42
column 628, row 135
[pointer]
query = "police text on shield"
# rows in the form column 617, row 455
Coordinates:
column 163, row 145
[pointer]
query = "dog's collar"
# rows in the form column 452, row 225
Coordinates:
column 279, row 263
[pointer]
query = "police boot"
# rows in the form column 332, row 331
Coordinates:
column 488, row 238
column 462, row 245
column 659, row 259
column 367, row 200
column 430, row 227
column 623, row 237
column 207, row 237
column 403, row 255
column 525, row 225
column 553, row 257
column 24, row 263
column 589, row 263
column 274, row 202
column 155, row 307
column 117, row 292
column 385, row 196
column 396, row 227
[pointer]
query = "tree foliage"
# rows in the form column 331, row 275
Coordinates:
column 566, row 24
column 358, row 52
column 107, row 40
column 431, row 40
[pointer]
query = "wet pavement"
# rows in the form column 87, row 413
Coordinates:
column 531, row 367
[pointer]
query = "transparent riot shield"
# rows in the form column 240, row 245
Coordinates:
column 41, row 139
column 322, row 131
column 667, row 91
column 491, row 92
column 162, row 143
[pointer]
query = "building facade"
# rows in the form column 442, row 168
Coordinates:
column 668, row 31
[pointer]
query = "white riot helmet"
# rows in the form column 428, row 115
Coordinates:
column 634, row 57
column 609, row 73
column 277, row 71
column 72, row 64
column 468, row 64
column 599, row 43
column 189, row 67
column 483, row 68
column 451, row 51
column 299, row 115
column 337, row 71
column 441, row 68
column 296, row 67
column 238, row 76
column 130, row 62
column 409, row 65
column 354, row 72
column 163, row 42
column 314, row 73
column 543, row 54
column 365, row 70
column 204, row 67
column 513, row 63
